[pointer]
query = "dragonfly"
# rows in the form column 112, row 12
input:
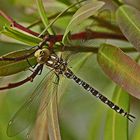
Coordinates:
column 58, row 66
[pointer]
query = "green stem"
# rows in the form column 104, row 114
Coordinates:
column 59, row 16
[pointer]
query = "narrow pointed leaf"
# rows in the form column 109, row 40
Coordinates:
column 120, row 68
column 83, row 13
column 116, row 126
column 21, row 36
column 3, row 22
column 13, row 67
column 128, row 19
column 7, row 47
column 43, row 14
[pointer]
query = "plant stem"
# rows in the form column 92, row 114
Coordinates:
column 87, row 36
column 90, row 49
column 15, row 24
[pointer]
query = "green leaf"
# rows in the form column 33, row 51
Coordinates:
column 120, row 68
column 3, row 22
column 87, row 10
column 59, row 15
column 115, row 123
column 21, row 36
column 7, row 47
column 43, row 14
column 13, row 67
column 128, row 19
column 96, row 125
column 136, row 131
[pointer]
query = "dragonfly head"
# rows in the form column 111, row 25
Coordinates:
column 42, row 55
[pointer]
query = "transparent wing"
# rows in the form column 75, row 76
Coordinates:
column 53, row 122
column 47, row 122
column 26, row 115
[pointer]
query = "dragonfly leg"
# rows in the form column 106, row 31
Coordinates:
column 57, row 79
column 39, row 73
column 17, row 58
column 34, row 47
column 28, row 79
column 29, row 62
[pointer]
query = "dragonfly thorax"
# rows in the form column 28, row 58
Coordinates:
column 56, row 63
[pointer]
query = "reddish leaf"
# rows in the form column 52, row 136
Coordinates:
column 120, row 68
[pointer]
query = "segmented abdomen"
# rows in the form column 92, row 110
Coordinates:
column 69, row 74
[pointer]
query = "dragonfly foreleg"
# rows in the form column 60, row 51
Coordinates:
column 30, row 78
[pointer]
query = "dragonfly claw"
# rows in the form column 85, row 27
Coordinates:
column 129, row 117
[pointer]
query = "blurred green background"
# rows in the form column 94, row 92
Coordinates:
column 82, row 117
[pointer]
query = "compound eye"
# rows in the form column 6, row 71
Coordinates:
column 41, row 53
column 38, row 53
